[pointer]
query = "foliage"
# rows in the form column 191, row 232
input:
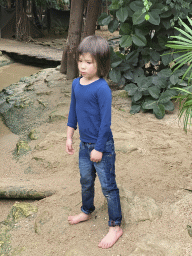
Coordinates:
column 183, row 44
column 185, row 106
column 52, row 3
column 3, row 3
column 141, row 64
column 57, row 4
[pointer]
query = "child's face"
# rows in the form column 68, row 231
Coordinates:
column 87, row 66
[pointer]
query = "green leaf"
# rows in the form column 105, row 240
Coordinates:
column 162, row 41
column 174, row 79
column 169, row 106
column 159, row 82
column 115, row 75
column 128, row 75
column 166, row 24
column 115, row 5
column 154, row 91
column 138, row 17
column 136, row 5
column 139, row 40
column 137, row 96
column 155, row 56
column 113, row 25
column 132, row 57
column 188, row 103
column 166, row 14
column 143, row 82
column 159, row 111
column 125, row 29
column 166, row 58
column 135, row 109
column 126, row 41
column 104, row 19
column 149, row 104
column 165, row 96
column 154, row 18
column 122, row 14
column 164, row 73
column 131, row 89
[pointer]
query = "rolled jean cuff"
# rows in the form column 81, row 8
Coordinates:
column 112, row 223
column 87, row 212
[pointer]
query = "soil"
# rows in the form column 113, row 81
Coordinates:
column 153, row 159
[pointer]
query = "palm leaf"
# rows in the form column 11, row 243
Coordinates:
column 185, row 107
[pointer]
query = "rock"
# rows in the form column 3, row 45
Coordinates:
column 22, row 210
column 151, row 245
column 56, row 116
column 40, row 93
column 124, row 146
column 52, row 84
column 51, row 138
column 58, row 68
column 43, row 103
column 55, row 75
column 22, row 147
column 189, row 229
column 8, row 91
column 34, row 134
column 182, row 208
column 136, row 209
column 18, row 212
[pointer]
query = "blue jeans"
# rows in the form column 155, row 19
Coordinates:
column 106, row 173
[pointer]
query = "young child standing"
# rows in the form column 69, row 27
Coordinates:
column 91, row 109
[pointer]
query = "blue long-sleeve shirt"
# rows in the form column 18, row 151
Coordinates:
column 91, row 109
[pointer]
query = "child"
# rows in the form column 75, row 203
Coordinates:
column 91, row 109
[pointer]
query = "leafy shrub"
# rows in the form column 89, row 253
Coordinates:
column 141, row 65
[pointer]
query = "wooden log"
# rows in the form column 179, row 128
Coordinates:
column 11, row 189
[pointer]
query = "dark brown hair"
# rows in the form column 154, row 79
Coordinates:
column 98, row 47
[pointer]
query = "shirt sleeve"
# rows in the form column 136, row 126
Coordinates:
column 72, row 118
column 104, row 101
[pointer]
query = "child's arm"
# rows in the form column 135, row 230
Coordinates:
column 69, row 141
column 72, row 123
column 104, row 101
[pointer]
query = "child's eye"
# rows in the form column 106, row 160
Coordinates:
column 89, row 62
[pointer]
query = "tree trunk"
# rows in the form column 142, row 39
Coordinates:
column 9, row 4
column 22, row 24
column 69, row 63
column 93, row 11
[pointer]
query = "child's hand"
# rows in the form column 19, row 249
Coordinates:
column 69, row 147
column 96, row 156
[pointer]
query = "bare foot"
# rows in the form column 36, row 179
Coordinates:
column 78, row 218
column 111, row 238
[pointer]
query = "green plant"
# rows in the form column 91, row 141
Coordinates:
column 141, row 64
column 185, row 107
column 183, row 46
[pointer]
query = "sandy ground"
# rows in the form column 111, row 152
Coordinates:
column 153, row 158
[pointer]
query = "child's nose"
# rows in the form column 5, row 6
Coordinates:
column 82, row 65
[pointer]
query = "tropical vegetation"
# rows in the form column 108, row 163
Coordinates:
column 183, row 44
column 142, row 64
